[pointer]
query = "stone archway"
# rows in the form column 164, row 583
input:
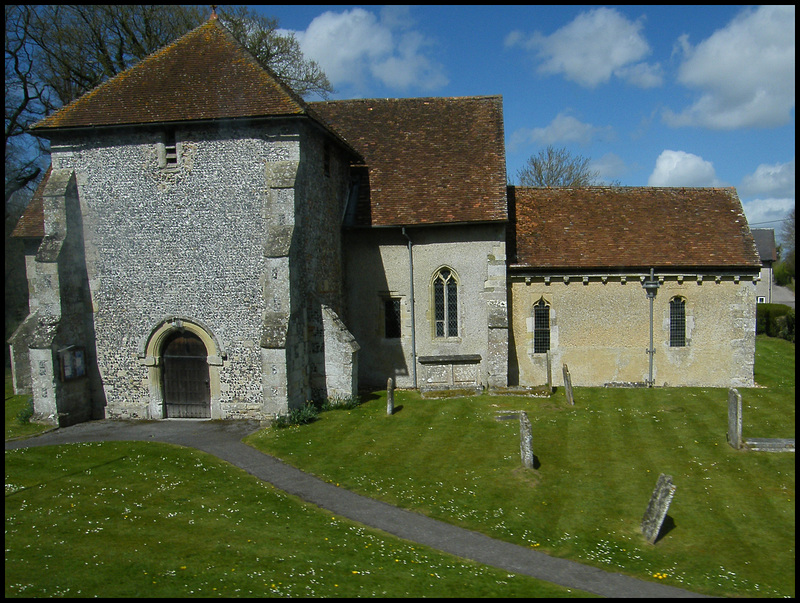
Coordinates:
column 183, row 359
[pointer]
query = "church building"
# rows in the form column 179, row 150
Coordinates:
column 207, row 244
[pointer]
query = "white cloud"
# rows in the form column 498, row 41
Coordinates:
column 355, row 48
column 774, row 191
column 767, row 213
column 773, row 180
column 563, row 129
column 745, row 72
column 610, row 166
column 596, row 45
column 642, row 75
column 678, row 168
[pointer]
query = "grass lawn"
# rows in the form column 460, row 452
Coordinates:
column 154, row 520
column 18, row 411
column 730, row 528
column 133, row 519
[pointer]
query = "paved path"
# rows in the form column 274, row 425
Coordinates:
column 224, row 440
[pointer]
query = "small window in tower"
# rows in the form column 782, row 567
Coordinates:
column 170, row 150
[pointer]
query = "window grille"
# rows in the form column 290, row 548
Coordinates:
column 541, row 327
column 677, row 322
column 445, row 302
column 391, row 318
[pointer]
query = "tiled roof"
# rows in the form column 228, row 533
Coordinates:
column 206, row 74
column 31, row 223
column 765, row 242
column 428, row 160
column 621, row 228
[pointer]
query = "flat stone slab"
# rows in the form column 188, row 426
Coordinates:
column 770, row 444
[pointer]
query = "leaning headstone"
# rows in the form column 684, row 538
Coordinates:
column 657, row 508
column 525, row 440
column 390, row 397
column 735, row 418
column 568, row 386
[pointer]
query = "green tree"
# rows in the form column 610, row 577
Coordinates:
column 787, row 235
column 557, row 167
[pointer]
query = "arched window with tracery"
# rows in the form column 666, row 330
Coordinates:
column 541, row 327
column 445, row 303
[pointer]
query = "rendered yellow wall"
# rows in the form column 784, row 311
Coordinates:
column 601, row 331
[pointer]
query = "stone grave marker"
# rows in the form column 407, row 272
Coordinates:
column 735, row 418
column 657, row 508
column 525, row 440
column 568, row 386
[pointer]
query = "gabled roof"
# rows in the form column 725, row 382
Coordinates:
column 428, row 160
column 205, row 74
column 629, row 228
column 765, row 243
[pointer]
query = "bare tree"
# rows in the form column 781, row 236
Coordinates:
column 281, row 52
column 557, row 167
column 23, row 104
column 56, row 53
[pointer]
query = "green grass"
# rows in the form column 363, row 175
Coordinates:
column 147, row 519
column 125, row 519
column 18, row 411
column 731, row 522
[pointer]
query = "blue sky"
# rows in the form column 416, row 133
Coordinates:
column 653, row 95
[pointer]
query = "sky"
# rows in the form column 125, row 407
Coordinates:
column 652, row 95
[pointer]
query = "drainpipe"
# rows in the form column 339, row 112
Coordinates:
column 413, row 320
column 651, row 288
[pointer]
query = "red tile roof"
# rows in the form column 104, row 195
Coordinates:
column 206, row 74
column 31, row 223
column 621, row 228
column 428, row 160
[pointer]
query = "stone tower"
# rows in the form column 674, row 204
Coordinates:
column 190, row 263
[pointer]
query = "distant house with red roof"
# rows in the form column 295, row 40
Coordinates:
column 208, row 244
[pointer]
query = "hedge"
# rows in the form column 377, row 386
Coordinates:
column 775, row 320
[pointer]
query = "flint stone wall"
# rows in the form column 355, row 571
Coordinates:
column 215, row 239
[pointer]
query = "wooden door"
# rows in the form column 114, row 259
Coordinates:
column 186, row 385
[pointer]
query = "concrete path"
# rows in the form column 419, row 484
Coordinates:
column 224, row 440
column 782, row 295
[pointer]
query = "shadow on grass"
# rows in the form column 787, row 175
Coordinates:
column 666, row 527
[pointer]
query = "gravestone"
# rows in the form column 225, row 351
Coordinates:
column 568, row 386
column 549, row 371
column 657, row 508
column 735, row 418
column 390, row 397
column 525, row 440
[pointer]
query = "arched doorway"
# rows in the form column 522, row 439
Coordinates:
column 186, row 383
